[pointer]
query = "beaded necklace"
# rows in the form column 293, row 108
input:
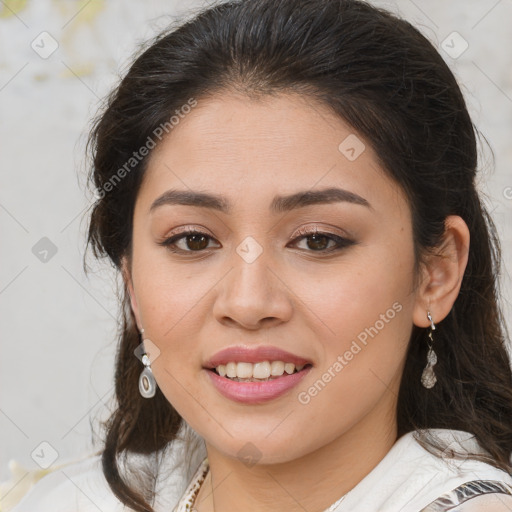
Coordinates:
column 186, row 504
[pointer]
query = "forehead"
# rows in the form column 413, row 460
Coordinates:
column 251, row 150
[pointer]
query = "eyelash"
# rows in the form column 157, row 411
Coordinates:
column 303, row 233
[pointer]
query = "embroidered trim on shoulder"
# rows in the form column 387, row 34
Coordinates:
column 465, row 492
column 186, row 502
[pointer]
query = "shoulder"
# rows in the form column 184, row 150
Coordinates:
column 460, row 480
column 432, row 478
column 79, row 486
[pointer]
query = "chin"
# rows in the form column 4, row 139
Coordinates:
column 254, row 450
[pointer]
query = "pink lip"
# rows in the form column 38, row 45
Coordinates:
column 254, row 355
column 256, row 392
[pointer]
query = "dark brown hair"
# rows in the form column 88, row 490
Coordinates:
column 382, row 76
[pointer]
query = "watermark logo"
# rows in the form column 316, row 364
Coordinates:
column 352, row 147
column 249, row 454
column 149, row 348
column 454, row 45
column 44, row 455
column 44, row 45
column 249, row 250
column 44, row 250
column 454, row 455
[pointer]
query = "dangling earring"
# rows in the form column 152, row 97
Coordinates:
column 147, row 382
column 428, row 377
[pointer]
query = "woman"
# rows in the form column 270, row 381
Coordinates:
column 311, row 316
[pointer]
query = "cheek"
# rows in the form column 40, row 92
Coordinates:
column 351, row 296
column 168, row 293
column 170, row 307
column 362, row 349
column 362, row 320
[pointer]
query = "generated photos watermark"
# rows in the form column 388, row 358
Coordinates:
column 344, row 359
column 137, row 156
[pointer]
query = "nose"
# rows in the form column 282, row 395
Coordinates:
column 252, row 296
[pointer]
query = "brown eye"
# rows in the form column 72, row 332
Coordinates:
column 191, row 241
column 317, row 241
column 196, row 242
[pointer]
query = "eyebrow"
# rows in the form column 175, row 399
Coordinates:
column 279, row 204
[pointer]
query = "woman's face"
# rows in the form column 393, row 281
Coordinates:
column 340, row 302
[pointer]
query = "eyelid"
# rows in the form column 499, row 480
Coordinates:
column 185, row 229
column 341, row 240
column 328, row 231
column 302, row 231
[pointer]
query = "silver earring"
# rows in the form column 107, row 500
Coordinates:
column 428, row 377
column 147, row 382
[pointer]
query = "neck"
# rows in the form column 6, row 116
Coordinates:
column 313, row 482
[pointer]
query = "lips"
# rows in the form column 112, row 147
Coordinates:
column 256, row 393
column 242, row 354
column 250, row 392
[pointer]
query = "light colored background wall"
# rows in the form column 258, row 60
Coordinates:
column 58, row 327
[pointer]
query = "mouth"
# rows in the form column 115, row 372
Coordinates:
column 255, row 375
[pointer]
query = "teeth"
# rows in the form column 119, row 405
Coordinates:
column 264, row 370
column 231, row 370
column 277, row 368
column 244, row 370
column 260, row 370
column 289, row 367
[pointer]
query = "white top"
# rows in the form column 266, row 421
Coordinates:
column 407, row 479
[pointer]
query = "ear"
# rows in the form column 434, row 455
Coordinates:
column 442, row 274
column 125, row 271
